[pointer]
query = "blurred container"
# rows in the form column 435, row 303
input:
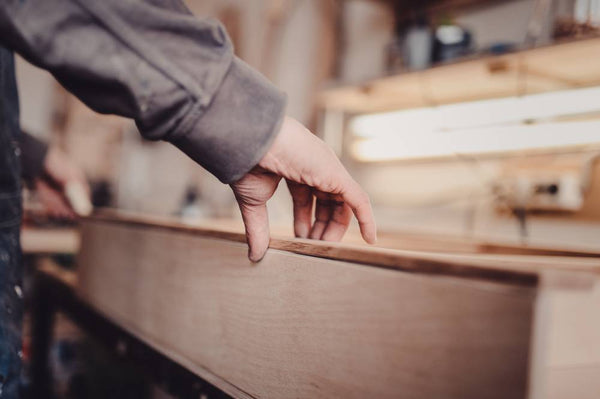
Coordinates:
column 451, row 41
column 418, row 45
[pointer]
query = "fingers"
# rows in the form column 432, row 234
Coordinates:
column 252, row 193
column 302, row 198
column 256, row 221
column 360, row 204
column 339, row 221
column 53, row 201
column 332, row 217
column 298, row 155
column 323, row 212
column 332, row 212
column 335, row 210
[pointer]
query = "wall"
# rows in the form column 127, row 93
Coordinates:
column 367, row 31
column 503, row 22
column 455, row 197
column 153, row 176
column 36, row 88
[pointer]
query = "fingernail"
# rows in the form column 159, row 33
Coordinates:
column 254, row 258
column 374, row 238
column 371, row 238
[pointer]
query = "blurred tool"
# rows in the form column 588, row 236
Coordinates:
column 78, row 198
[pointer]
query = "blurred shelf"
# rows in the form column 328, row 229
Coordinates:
column 443, row 5
column 565, row 65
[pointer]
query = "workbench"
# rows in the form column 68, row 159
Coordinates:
column 55, row 293
column 317, row 319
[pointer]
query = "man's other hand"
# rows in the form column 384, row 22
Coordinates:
column 59, row 172
column 312, row 170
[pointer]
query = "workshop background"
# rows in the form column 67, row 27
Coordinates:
column 470, row 119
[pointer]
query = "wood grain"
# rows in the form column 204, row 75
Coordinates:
column 304, row 326
column 448, row 244
column 515, row 268
column 574, row 329
column 581, row 382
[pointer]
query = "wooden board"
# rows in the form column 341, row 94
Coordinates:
column 581, row 382
column 450, row 244
column 303, row 326
column 43, row 241
column 387, row 239
column 318, row 319
column 509, row 266
column 574, row 329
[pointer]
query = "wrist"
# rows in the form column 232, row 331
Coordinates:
column 272, row 160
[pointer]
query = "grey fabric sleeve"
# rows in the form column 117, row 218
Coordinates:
column 33, row 155
column 152, row 61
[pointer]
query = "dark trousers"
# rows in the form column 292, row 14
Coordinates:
column 11, row 304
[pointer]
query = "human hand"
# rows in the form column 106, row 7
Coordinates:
column 312, row 170
column 55, row 188
column 53, row 201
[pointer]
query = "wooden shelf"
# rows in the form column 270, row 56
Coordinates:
column 444, row 5
column 560, row 66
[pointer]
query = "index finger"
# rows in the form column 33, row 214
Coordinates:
column 358, row 200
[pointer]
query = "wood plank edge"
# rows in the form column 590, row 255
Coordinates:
column 371, row 257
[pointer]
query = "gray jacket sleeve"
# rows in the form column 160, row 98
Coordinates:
column 152, row 61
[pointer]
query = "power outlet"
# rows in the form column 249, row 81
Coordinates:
column 539, row 192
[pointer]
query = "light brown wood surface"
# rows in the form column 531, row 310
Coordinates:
column 303, row 326
column 317, row 319
column 505, row 266
column 42, row 241
column 449, row 244
column 387, row 239
column 580, row 382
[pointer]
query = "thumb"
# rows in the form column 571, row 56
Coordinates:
column 256, row 221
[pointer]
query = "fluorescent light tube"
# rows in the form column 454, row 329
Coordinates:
column 480, row 141
column 496, row 125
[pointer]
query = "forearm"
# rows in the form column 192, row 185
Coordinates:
column 175, row 75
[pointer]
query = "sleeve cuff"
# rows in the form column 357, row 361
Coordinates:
column 236, row 130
